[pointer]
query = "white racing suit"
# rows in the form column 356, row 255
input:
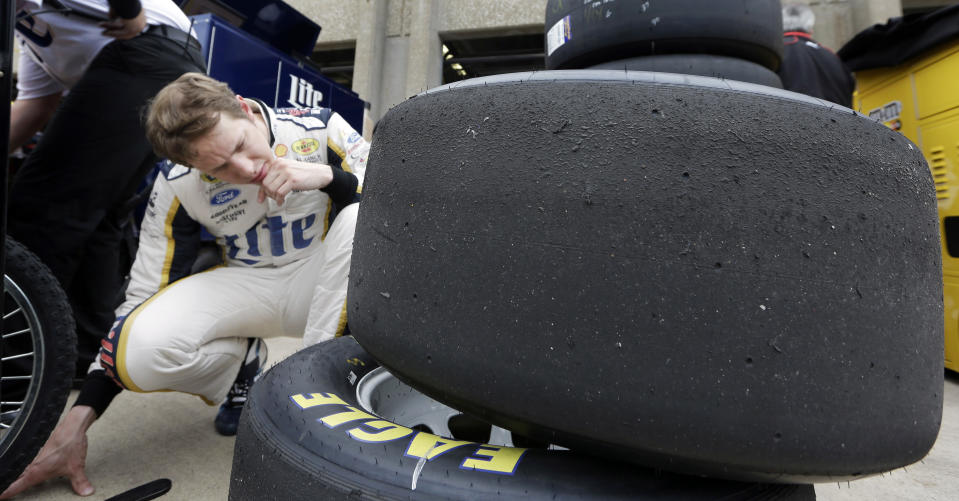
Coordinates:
column 285, row 271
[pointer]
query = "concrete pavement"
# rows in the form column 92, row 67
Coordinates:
column 170, row 435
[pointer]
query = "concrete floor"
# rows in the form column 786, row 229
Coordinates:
column 169, row 435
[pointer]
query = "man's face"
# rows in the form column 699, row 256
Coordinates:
column 236, row 150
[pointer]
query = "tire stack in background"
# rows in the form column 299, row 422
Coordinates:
column 736, row 40
column 659, row 271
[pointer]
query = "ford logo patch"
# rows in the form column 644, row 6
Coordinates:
column 224, row 196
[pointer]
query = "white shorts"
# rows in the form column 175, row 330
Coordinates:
column 192, row 335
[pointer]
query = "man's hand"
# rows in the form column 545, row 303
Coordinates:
column 124, row 29
column 285, row 175
column 64, row 454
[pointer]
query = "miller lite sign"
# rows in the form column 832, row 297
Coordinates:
column 302, row 94
column 254, row 68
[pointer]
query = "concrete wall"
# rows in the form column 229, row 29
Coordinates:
column 339, row 18
column 837, row 21
column 398, row 42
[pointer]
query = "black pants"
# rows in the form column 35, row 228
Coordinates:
column 69, row 200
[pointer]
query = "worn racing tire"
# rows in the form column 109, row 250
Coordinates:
column 304, row 433
column 700, row 275
column 729, row 68
column 583, row 34
column 38, row 358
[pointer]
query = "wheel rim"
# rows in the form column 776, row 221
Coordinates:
column 21, row 320
column 382, row 394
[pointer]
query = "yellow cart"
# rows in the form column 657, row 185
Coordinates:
column 920, row 98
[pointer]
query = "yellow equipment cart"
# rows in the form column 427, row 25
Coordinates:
column 919, row 97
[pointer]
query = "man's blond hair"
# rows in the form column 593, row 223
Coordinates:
column 185, row 110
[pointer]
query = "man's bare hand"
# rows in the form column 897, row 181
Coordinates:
column 124, row 29
column 64, row 455
column 285, row 175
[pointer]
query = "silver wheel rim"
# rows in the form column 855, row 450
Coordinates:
column 383, row 395
column 13, row 414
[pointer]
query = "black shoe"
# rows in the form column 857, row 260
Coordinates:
column 228, row 417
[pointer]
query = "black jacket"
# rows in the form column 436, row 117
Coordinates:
column 814, row 70
column 900, row 39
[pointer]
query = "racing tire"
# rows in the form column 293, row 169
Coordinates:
column 583, row 34
column 729, row 68
column 700, row 275
column 294, row 439
column 38, row 328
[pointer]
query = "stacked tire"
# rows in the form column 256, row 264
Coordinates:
column 660, row 272
column 731, row 39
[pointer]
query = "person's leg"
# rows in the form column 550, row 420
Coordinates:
column 330, row 277
column 62, row 195
column 95, row 291
column 192, row 336
column 80, row 166
column 88, row 163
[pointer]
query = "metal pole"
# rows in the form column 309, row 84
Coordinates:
column 7, row 13
column 7, row 17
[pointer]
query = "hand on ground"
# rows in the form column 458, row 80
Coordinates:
column 64, row 455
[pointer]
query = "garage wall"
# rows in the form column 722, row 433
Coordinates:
column 397, row 42
column 837, row 21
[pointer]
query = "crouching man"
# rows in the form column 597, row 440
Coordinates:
column 283, row 213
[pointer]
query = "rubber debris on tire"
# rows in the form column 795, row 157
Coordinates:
column 304, row 435
column 694, row 274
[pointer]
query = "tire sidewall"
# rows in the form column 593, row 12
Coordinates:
column 291, row 438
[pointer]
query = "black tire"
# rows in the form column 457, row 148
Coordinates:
column 579, row 35
column 37, row 320
column 283, row 451
column 700, row 275
column 729, row 68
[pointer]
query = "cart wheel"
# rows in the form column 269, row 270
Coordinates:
column 38, row 358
